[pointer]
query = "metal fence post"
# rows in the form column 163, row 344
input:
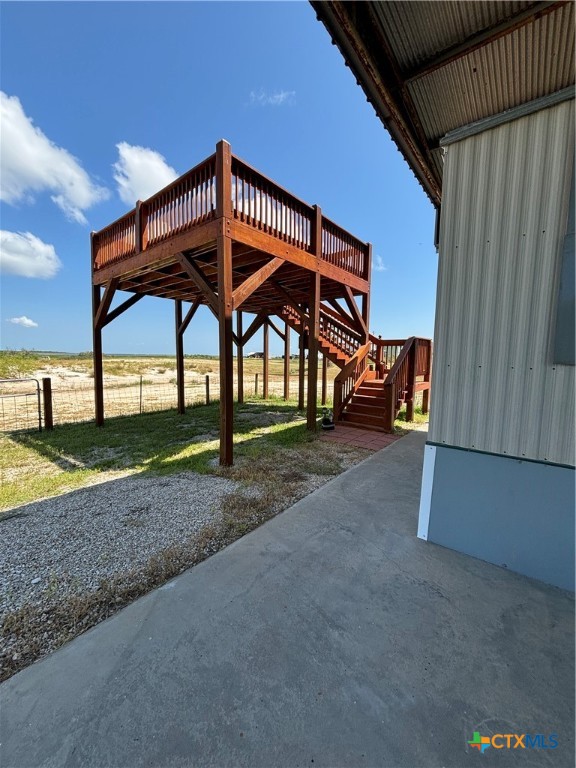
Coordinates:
column 47, row 397
column 207, row 389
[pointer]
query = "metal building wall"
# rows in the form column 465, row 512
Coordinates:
column 503, row 222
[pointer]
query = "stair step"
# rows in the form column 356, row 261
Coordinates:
column 375, row 383
column 364, row 422
column 369, row 392
column 365, row 399
column 365, row 410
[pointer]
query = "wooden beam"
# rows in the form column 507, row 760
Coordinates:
column 181, row 404
column 366, row 294
column 121, row 308
column 197, row 276
column 286, row 361
column 355, row 312
column 240, row 356
column 324, row 378
column 301, row 367
column 248, row 235
column 223, row 179
column 266, row 361
column 224, row 245
column 275, row 329
column 289, row 299
column 104, row 305
column 97, row 358
column 235, row 338
column 313, row 333
column 159, row 255
column 189, row 315
column 342, row 318
column 254, row 282
column 254, row 326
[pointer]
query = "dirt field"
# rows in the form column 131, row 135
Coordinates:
column 131, row 385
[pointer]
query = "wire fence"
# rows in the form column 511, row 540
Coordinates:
column 74, row 402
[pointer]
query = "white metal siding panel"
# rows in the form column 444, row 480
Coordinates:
column 504, row 213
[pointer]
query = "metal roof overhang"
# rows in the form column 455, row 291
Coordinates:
column 431, row 66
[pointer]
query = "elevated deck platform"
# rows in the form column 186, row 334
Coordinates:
column 226, row 236
column 165, row 244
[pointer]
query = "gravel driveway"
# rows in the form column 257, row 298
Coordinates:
column 69, row 544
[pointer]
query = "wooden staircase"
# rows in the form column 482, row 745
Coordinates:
column 377, row 378
column 367, row 406
column 337, row 342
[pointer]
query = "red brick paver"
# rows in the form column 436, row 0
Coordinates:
column 359, row 438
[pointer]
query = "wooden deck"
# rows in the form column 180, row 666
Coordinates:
column 226, row 236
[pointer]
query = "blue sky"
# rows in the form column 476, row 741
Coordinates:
column 104, row 101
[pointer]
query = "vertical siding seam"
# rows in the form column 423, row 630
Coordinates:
column 504, row 210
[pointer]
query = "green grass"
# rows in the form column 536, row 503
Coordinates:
column 15, row 364
column 419, row 418
column 37, row 465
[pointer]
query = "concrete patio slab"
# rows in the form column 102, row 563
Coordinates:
column 329, row 637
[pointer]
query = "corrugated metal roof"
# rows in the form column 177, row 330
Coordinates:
column 430, row 67
column 503, row 222
column 418, row 30
column 532, row 61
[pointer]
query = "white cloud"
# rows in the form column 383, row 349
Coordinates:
column 378, row 265
column 262, row 98
column 24, row 254
column 140, row 173
column 24, row 321
column 31, row 163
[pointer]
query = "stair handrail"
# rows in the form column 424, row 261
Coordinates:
column 398, row 375
column 350, row 378
column 345, row 322
column 409, row 364
column 377, row 355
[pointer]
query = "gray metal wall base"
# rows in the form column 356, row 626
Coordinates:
column 513, row 513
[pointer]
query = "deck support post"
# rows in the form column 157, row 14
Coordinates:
column 266, row 361
column 324, row 378
column 240, row 356
column 97, row 358
column 181, row 403
column 225, row 303
column 425, row 400
column 301, row 368
column 224, row 245
column 286, row 361
column 366, row 296
column 411, row 381
column 313, row 333
column 314, row 322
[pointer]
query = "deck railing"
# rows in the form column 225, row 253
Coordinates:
column 259, row 202
column 344, row 250
column 189, row 200
column 384, row 352
column 255, row 200
column 116, row 242
column 415, row 360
